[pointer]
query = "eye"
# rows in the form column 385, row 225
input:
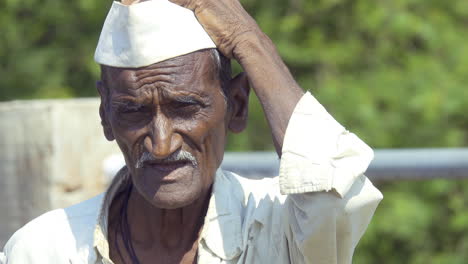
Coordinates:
column 132, row 109
column 133, row 113
column 184, row 105
column 185, row 109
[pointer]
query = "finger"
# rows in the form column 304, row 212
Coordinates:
column 190, row 4
column 131, row 2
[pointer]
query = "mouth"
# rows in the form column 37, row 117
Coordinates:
column 167, row 167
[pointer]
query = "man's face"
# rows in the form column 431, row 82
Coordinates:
column 170, row 121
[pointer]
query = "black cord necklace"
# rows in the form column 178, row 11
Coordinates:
column 124, row 229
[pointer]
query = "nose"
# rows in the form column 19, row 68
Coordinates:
column 162, row 141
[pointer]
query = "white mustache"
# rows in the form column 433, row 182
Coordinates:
column 179, row 155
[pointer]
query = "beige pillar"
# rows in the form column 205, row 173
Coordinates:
column 51, row 155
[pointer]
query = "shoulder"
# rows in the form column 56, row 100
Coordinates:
column 56, row 234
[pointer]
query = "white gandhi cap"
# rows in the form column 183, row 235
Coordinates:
column 145, row 33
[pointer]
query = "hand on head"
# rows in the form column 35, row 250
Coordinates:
column 225, row 21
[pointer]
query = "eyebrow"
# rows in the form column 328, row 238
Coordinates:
column 187, row 97
column 126, row 102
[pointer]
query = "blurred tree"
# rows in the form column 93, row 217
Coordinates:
column 46, row 48
column 394, row 72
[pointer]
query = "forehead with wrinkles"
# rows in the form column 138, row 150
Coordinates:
column 180, row 73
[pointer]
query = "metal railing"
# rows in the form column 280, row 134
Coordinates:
column 388, row 164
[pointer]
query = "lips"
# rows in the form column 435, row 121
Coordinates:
column 167, row 166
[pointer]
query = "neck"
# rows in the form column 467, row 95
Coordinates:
column 167, row 228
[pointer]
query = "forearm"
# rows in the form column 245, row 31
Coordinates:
column 271, row 80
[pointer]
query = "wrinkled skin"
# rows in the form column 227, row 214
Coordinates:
column 173, row 105
column 167, row 208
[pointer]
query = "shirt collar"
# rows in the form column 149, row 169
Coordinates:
column 223, row 222
column 118, row 184
column 222, row 228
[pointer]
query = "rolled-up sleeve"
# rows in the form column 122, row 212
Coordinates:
column 330, row 202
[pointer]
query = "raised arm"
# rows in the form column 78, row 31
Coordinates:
column 237, row 35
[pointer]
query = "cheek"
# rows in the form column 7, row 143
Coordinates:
column 129, row 141
column 218, row 146
column 212, row 143
column 208, row 127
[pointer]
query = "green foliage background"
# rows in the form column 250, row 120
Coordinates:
column 393, row 71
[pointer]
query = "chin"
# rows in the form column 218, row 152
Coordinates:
column 170, row 190
column 176, row 199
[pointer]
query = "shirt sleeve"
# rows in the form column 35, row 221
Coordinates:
column 42, row 240
column 26, row 247
column 2, row 258
column 330, row 202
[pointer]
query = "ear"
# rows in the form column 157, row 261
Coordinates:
column 103, row 110
column 239, row 91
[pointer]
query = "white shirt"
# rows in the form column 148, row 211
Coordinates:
column 314, row 212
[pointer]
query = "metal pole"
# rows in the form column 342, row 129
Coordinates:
column 388, row 164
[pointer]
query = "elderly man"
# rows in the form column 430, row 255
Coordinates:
column 168, row 100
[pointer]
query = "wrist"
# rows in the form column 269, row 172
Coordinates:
column 252, row 44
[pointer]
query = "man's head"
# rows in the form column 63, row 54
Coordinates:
column 170, row 120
